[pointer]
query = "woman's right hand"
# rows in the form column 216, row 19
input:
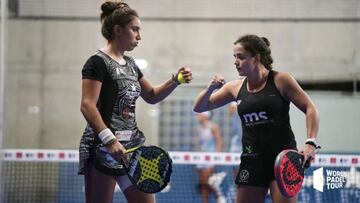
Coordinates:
column 186, row 73
column 117, row 150
column 216, row 83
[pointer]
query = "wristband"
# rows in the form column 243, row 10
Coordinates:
column 312, row 142
column 106, row 136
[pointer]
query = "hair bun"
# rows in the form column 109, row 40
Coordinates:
column 108, row 7
column 267, row 42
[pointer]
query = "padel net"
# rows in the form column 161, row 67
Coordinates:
column 51, row 176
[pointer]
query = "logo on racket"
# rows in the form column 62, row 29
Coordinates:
column 290, row 179
column 150, row 170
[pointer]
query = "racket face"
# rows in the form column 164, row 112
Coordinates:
column 289, row 172
column 150, row 168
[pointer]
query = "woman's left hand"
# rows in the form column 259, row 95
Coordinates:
column 309, row 153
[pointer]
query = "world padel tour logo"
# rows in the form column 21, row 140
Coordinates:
column 332, row 180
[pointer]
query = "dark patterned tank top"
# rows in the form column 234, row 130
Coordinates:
column 119, row 92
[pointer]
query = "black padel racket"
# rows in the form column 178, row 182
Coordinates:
column 149, row 167
column 289, row 172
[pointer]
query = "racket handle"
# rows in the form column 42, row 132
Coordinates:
column 307, row 163
column 126, row 151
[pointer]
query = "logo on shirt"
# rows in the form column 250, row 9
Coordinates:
column 248, row 149
column 256, row 118
column 119, row 71
column 127, row 114
column 133, row 88
column 251, row 117
column 238, row 102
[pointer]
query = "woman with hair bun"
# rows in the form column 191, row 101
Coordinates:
column 263, row 98
column 111, row 84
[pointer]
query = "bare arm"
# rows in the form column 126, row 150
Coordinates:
column 156, row 94
column 208, row 99
column 291, row 90
column 153, row 95
column 90, row 95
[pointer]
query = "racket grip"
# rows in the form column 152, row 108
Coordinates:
column 307, row 163
column 131, row 150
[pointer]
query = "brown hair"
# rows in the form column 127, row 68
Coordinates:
column 257, row 45
column 115, row 13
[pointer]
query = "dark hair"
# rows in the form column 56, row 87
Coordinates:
column 115, row 13
column 257, row 45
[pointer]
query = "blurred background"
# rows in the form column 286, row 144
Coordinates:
column 45, row 43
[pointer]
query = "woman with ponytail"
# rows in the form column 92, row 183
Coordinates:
column 263, row 97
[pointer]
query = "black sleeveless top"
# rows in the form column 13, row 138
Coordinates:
column 265, row 120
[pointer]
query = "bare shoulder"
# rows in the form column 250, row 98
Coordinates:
column 283, row 79
column 285, row 83
column 282, row 76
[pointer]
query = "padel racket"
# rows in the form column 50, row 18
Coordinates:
column 289, row 171
column 149, row 167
